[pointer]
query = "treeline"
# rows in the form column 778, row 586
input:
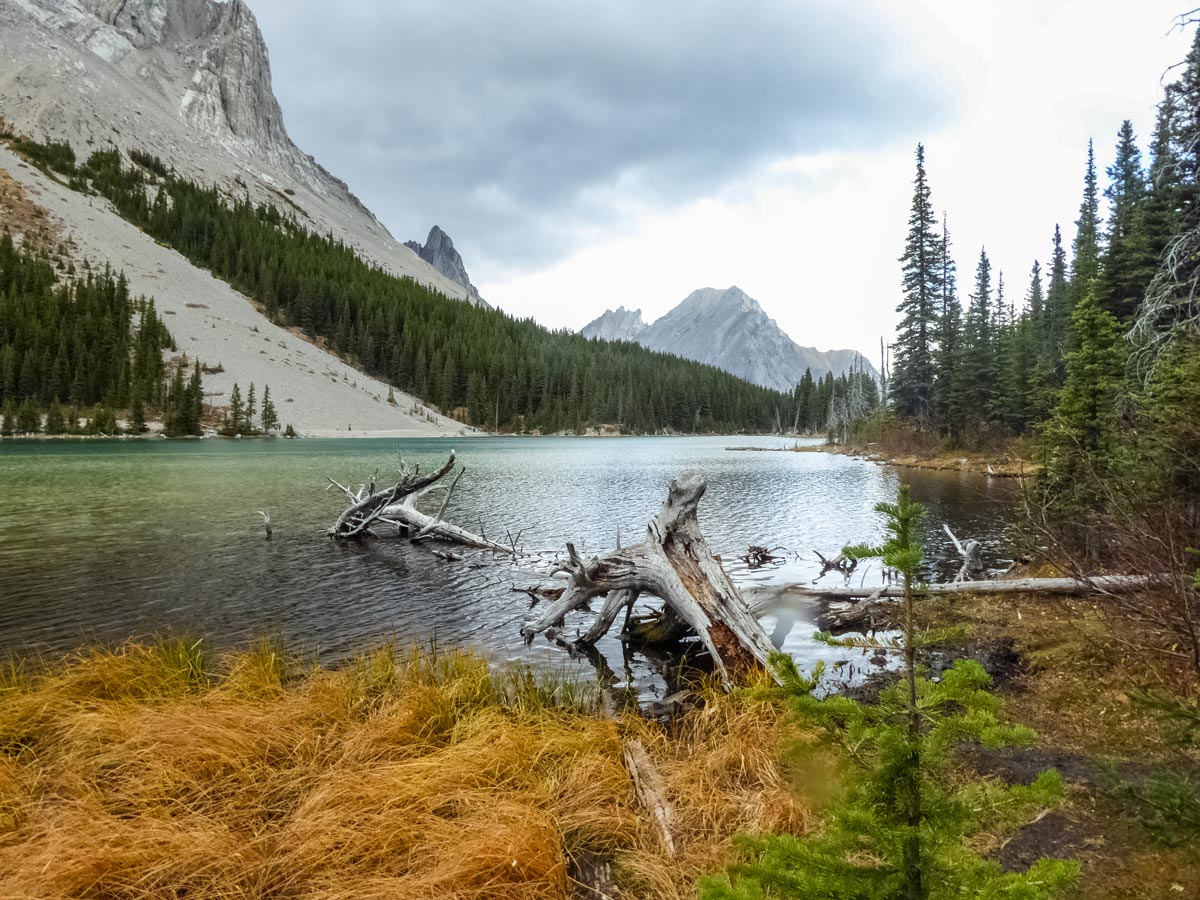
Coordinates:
column 76, row 347
column 997, row 364
column 832, row 405
column 1100, row 364
column 480, row 365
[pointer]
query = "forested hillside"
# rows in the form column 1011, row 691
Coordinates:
column 483, row 366
column 69, row 348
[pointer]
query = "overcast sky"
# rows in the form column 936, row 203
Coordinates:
column 584, row 156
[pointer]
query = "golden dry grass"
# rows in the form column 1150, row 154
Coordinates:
column 139, row 773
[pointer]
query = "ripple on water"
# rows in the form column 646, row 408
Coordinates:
column 108, row 540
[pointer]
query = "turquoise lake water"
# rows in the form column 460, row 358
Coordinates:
column 103, row 541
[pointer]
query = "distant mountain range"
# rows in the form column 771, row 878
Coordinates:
column 729, row 330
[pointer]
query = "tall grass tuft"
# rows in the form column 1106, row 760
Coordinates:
column 161, row 770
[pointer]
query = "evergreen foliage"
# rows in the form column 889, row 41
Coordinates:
column 901, row 826
column 979, row 360
column 911, row 389
column 1080, row 439
column 70, row 342
column 487, row 367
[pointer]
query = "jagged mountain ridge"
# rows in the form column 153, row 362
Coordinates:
column 727, row 329
column 438, row 250
column 188, row 81
column 618, row 324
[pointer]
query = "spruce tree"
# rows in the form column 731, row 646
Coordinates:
column 1085, row 263
column 913, row 370
column 1078, row 443
column 270, row 418
column 1128, row 264
column 979, row 370
column 948, row 410
column 1058, row 313
column 237, row 410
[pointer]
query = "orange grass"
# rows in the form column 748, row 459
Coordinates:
column 153, row 771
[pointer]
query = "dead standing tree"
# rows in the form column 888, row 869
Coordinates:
column 675, row 564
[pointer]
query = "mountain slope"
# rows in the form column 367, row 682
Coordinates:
column 314, row 391
column 729, row 330
column 188, row 81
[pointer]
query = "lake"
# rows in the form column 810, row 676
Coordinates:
column 103, row 541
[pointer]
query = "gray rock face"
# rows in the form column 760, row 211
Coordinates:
column 185, row 80
column 729, row 330
column 438, row 250
column 618, row 324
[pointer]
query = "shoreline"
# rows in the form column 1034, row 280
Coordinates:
column 1008, row 466
column 339, row 434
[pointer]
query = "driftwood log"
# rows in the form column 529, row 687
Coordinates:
column 396, row 505
column 1099, row 584
column 675, row 564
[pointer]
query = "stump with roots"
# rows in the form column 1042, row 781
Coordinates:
column 673, row 563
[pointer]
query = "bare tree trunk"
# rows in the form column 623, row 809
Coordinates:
column 673, row 563
column 1099, row 584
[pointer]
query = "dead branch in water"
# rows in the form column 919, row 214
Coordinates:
column 397, row 506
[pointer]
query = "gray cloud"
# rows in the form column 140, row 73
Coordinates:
column 519, row 127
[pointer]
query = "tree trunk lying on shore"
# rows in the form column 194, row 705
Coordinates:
column 1099, row 584
column 396, row 505
column 675, row 564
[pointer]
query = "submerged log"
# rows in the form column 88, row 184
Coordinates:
column 673, row 563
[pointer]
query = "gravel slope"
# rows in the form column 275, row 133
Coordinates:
column 316, row 393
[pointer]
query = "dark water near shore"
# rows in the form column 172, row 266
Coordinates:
column 106, row 541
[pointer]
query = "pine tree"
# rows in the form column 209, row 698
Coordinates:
column 913, row 369
column 1128, row 264
column 979, row 370
column 1085, row 264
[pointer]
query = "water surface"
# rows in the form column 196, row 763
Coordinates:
column 102, row 541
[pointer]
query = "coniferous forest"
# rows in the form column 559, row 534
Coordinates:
column 480, row 365
column 1093, row 355
column 79, row 346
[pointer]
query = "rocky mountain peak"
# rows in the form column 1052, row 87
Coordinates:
column 438, row 250
column 618, row 324
column 188, row 81
column 726, row 328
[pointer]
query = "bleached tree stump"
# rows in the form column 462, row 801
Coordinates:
column 673, row 563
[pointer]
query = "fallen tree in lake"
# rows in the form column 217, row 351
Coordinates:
column 397, row 506
column 673, row 563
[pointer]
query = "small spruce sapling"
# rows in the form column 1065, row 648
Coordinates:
column 900, row 824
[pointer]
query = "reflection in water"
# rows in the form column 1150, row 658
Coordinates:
column 104, row 541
